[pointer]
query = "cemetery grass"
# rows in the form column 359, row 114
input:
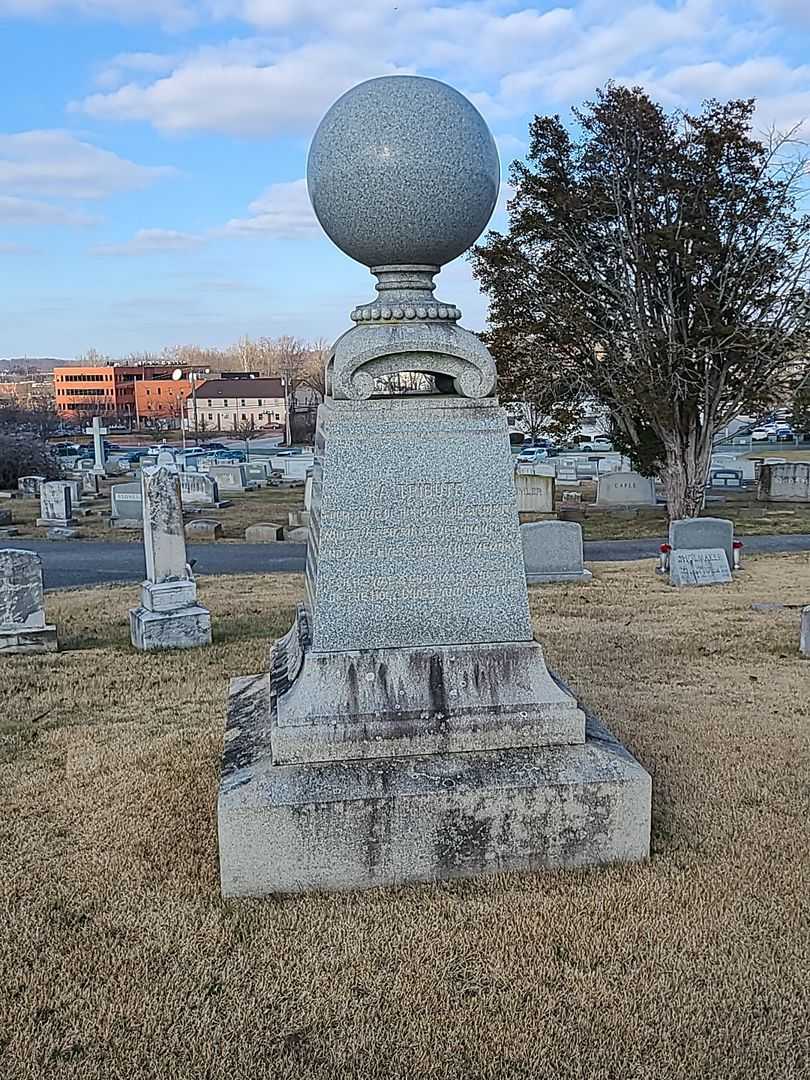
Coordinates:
column 750, row 519
column 118, row 957
column 264, row 504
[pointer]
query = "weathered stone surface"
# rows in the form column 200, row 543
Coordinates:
column 552, row 551
column 163, row 539
column 403, row 487
column 535, row 493
column 307, row 495
column 625, row 489
column 699, row 566
column 29, row 486
column 169, row 616
column 256, row 472
column 398, row 702
column 804, row 640
column 204, row 529
column 231, row 478
column 703, row 532
column 89, row 485
column 264, row 532
column 297, row 535
column 187, row 628
column 63, row 532
column 298, row 519
column 5, row 517
column 356, row 824
column 22, row 605
column 55, row 504
column 127, row 506
column 786, row 482
column 198, row 489
column 9, row 494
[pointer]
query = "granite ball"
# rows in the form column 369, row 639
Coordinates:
column 403, row 170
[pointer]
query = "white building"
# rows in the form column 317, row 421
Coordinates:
column 228, row 404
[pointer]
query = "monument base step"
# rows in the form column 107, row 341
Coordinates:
column 187, row 628
column 541, row 579
column 46, row 523
column 31, row 639
column 358, row 824
column 388, row 703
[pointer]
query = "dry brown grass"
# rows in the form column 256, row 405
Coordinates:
column 265, row 504
column 119, row 959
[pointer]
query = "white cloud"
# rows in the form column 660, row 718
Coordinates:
column 17, row 211
column 283, row 210
column 152, row 242
column 213, row 92
column 58, row 163
column 174, row 14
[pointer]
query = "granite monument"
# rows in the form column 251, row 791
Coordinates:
column 408, row 728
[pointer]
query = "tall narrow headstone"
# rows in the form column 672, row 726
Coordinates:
column 408, row 728
column 23, row 628
column 169, row 616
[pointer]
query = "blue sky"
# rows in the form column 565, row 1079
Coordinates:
column 152, row 151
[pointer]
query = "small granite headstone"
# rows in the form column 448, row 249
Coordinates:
column 552, row 551
column 296, row 535
column 785, row 482
column 535, row 493
column 198, row 489
column 55, row 505
column 804, row 640
column 263, row 532
column 298, row 519
column 256, row 472
column 231, row 478
column 127, row 506
column 701, row 533
column 566, row 470
column 625, row 489
column 29, row 486
column 308, row 493
column 22, row 605
column 89, row 485
column 698, row 566
column 204, row 529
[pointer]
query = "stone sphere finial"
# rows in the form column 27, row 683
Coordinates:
column 403, row 171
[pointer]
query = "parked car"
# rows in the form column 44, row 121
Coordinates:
column 230, row 455
column 760, row 434
column 532, row 456
column 595, row 446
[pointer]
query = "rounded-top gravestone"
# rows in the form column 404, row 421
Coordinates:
column 403, row 170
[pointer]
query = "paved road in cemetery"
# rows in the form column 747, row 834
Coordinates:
column 92, row 563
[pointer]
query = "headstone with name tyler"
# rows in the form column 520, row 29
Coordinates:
column 408, row 728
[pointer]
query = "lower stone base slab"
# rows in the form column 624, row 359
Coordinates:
column 542, row 579
column 358, row 824
column 31, row 639
column 187, row 628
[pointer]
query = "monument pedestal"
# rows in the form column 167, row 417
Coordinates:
column 363, row 823
column 169, row 617
column 408, row 728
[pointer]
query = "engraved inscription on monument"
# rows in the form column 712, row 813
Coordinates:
column 411, row 504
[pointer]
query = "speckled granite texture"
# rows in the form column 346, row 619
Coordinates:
column 403, row 169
